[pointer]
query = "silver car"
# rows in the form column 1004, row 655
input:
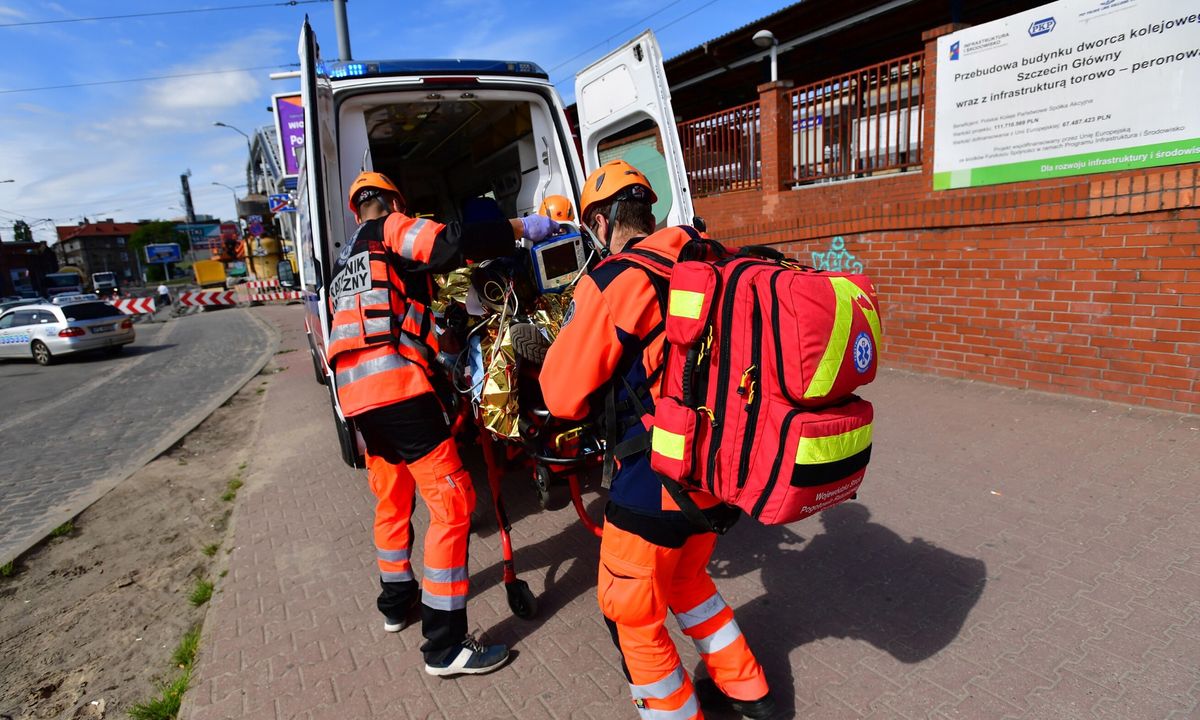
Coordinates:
column 44, row 331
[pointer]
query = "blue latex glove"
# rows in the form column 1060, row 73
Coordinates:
column 538, row 227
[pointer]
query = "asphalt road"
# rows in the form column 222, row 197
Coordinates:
column 71, row 431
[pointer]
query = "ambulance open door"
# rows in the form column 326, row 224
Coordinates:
column 320, row 224
column 320, row 207
column 625, row 112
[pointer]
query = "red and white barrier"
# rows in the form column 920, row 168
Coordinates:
column 281, row 295
column 207, row 298
column 135, row 306
column 267, row 284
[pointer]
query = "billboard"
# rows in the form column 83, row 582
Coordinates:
column 163, row 253
column 1070, row 88
column 289, row 129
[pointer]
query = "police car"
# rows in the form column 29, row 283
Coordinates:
column 71, row 323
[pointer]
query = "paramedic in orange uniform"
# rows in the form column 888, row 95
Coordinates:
column 652, row 559
column 382, row 347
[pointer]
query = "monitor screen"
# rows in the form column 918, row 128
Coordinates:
column 559, row 260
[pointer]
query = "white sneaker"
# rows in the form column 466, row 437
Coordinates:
column 469, row 657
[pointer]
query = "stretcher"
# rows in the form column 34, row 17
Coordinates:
column 500, row 402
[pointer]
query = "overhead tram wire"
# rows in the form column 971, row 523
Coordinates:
column 634, row 25
column 150, row 78
column 286, row 3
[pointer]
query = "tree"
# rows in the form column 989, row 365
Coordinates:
column 22, row 232
column 155, row 233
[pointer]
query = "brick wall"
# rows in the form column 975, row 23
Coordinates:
column 1087, row 285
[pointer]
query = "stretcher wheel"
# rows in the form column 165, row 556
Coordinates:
column 521, row 600
column 541, row 483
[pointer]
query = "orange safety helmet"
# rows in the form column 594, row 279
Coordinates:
column 379, row 181
column 615, row 179
column 557, row 207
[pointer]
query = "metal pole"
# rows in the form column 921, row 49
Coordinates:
column 774, row 61
column 343, row 29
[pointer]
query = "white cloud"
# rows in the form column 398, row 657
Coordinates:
column 118, row 151
column 9, row 12
column 204, row 91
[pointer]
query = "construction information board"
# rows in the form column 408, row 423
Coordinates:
column 1070, row 88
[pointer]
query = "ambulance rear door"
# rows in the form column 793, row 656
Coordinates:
column 319, row 206
column 625, row 112
column 321, row 232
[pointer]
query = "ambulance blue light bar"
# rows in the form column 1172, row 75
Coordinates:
column 337, row 70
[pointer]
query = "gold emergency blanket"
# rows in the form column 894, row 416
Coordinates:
column 452, row 286
column 499, row 408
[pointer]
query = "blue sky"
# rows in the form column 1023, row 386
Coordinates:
column 117, row 150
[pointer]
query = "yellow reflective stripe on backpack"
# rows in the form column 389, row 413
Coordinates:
column 666, row 443
column 818, row 450
column 685, row 304
column 846, row 293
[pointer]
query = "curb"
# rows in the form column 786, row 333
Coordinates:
column 182, row 427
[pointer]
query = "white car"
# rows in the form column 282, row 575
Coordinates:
column 71, row 324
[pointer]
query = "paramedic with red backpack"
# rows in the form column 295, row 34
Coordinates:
column 382, row 348
column 652, row 558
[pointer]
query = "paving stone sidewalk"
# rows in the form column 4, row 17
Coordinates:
column 1014, row 554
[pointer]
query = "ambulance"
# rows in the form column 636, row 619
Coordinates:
column 450, row 131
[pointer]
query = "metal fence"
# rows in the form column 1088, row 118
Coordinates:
column 861, row 123
column 721, row 151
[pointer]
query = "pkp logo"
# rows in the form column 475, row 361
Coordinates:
column 1041, row 27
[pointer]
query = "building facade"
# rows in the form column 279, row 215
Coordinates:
column 1086, row 284
column 100, row 247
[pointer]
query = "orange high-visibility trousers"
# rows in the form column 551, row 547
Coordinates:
column 639, row 581
column 393, row 487
column 449, row 495
column 446, row 488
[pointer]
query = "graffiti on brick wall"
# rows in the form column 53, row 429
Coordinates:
column 837, row 258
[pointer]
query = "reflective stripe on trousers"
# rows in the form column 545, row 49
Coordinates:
column 394, row 565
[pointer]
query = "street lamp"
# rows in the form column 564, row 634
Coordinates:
column 235, row 200
column 765, row 38
column 218, row 123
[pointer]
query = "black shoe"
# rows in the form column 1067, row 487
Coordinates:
column 528, row 342
column 469, row 657
column 711, row 698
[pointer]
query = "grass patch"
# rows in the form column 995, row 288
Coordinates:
column 63, row 530
column 8, row 569
column 211, row 550
column 185, row 652
column 166, row 705
column 202, row 593
column 260, row 391
column 231, row 492
column 285, row 352
column 243, row 466
column 223, row 573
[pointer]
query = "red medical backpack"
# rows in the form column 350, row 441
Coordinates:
column 757, row 403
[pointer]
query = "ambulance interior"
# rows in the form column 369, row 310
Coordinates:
column 446, row 148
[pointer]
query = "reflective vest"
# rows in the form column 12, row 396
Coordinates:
column 382, row 343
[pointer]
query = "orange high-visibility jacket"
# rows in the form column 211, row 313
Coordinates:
column 382, row 343
column 615, row 327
